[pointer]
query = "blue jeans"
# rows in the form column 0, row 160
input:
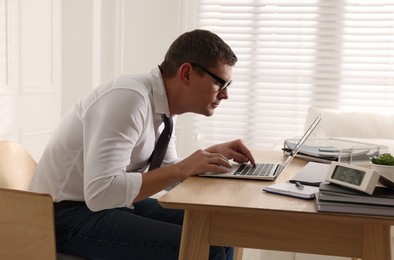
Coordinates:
column 146, row 232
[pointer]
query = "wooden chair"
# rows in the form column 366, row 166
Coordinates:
column 26, row 224
column 16, row 166
column 26, row 218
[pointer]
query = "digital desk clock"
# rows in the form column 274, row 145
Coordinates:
column 354, row 177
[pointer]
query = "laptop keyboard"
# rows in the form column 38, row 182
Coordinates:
column 262, row 169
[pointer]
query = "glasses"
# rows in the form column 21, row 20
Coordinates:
column 222, row 83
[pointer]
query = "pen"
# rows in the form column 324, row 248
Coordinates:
column 299, row 185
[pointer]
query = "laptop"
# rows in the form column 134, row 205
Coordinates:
column 264, row 171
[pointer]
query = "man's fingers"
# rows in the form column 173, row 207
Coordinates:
column 219, row 160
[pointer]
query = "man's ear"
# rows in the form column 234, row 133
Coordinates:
column 184, row 73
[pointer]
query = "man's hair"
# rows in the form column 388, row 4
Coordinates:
column 199, row 46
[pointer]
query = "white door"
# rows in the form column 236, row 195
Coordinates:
column 29, row 71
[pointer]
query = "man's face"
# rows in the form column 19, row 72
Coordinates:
column 210, row 87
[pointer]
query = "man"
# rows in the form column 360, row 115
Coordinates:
column 95, row 165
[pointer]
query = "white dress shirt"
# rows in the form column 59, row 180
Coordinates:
column 98, row 152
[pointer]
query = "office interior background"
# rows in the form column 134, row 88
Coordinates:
column 292, row 55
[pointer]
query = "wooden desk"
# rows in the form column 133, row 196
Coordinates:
column 238, row 213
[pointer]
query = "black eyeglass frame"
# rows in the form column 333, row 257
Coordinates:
column 223, row 84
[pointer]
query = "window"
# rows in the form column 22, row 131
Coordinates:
column 297, row 54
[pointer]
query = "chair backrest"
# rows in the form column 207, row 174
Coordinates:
column 26, row 224
column 26, row 218
column 16, row 166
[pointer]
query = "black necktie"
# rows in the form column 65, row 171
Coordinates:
column 162, row 143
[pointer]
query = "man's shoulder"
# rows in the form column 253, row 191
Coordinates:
column 139, row 83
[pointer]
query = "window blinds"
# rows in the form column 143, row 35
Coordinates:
column 297, row 54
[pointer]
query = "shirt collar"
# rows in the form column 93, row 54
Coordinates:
column 159, row 93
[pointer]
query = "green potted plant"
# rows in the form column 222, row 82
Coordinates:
column 384, row 165
column 383, row 159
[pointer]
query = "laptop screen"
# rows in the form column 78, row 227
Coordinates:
column 298, row 146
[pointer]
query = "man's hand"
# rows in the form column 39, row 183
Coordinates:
column 215, row 159
column 203, row 161
column 235, row 150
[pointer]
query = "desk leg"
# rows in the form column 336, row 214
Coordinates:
column 195, row 236
column 238, row 253
column 376, row 242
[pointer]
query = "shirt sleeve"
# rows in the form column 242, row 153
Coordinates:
column 111, row 128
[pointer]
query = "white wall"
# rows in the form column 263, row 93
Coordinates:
column 102, row 39
column 76, row 38
column 29, row 72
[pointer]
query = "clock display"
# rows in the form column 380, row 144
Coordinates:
column 353, row 177
column 348, row 175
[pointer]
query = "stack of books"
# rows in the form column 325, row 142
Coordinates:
column 334, row 198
